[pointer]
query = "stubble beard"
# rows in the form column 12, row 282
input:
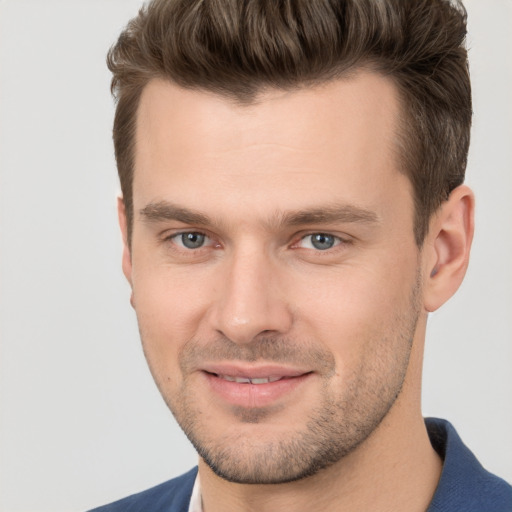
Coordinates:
column 333, row 429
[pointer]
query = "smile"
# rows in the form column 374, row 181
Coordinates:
column 249, row 380
column 254, row 387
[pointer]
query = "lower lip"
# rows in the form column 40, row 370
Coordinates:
column 254, row 395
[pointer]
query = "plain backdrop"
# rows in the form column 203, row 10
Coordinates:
column 81, row 422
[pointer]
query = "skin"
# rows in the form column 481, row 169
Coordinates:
column 350, row 318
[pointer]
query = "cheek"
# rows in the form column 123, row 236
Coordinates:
column 169, row 300
column 169, row 309
column 353, row 307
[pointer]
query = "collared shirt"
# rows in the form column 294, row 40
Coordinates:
column 196, row 504
column 458, row 462
column 464, row 486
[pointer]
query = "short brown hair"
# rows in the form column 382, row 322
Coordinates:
column 238, row 47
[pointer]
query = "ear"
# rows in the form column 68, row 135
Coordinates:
column 123, row 224
column 447, row 247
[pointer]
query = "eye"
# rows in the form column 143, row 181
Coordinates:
column 319, row 241
column 191, row 240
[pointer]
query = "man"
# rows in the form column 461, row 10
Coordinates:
column 293, row 208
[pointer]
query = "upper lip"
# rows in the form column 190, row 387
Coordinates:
column 253, row 372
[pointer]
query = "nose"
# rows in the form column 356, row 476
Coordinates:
column 251, row 301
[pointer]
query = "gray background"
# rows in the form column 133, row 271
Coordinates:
column 81, row 422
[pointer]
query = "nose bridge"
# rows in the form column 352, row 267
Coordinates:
column 250, row 301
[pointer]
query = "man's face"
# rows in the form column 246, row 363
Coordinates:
column 274, row 271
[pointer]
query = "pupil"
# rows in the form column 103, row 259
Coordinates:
column 322, row 241
column 192, row 240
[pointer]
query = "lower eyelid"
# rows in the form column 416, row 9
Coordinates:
column 209, row 242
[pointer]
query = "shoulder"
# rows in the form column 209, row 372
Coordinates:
column 464, row 484
column 171, row 496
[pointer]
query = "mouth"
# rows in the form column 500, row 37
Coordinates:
column 254, row 387
column 249, row 380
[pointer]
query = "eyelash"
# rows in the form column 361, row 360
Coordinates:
column 338, row 241
column 175, row 236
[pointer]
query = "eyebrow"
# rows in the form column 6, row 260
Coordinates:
column 163, row 210
column 329, row 214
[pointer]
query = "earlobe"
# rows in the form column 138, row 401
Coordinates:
column 123, row 224
column 448, row 246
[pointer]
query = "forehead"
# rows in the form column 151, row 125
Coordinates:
column 335, row 142
column 363, row 101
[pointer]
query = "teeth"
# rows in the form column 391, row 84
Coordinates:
column 247, row 380
column 260, row 381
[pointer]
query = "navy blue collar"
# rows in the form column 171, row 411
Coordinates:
column 464, row 485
